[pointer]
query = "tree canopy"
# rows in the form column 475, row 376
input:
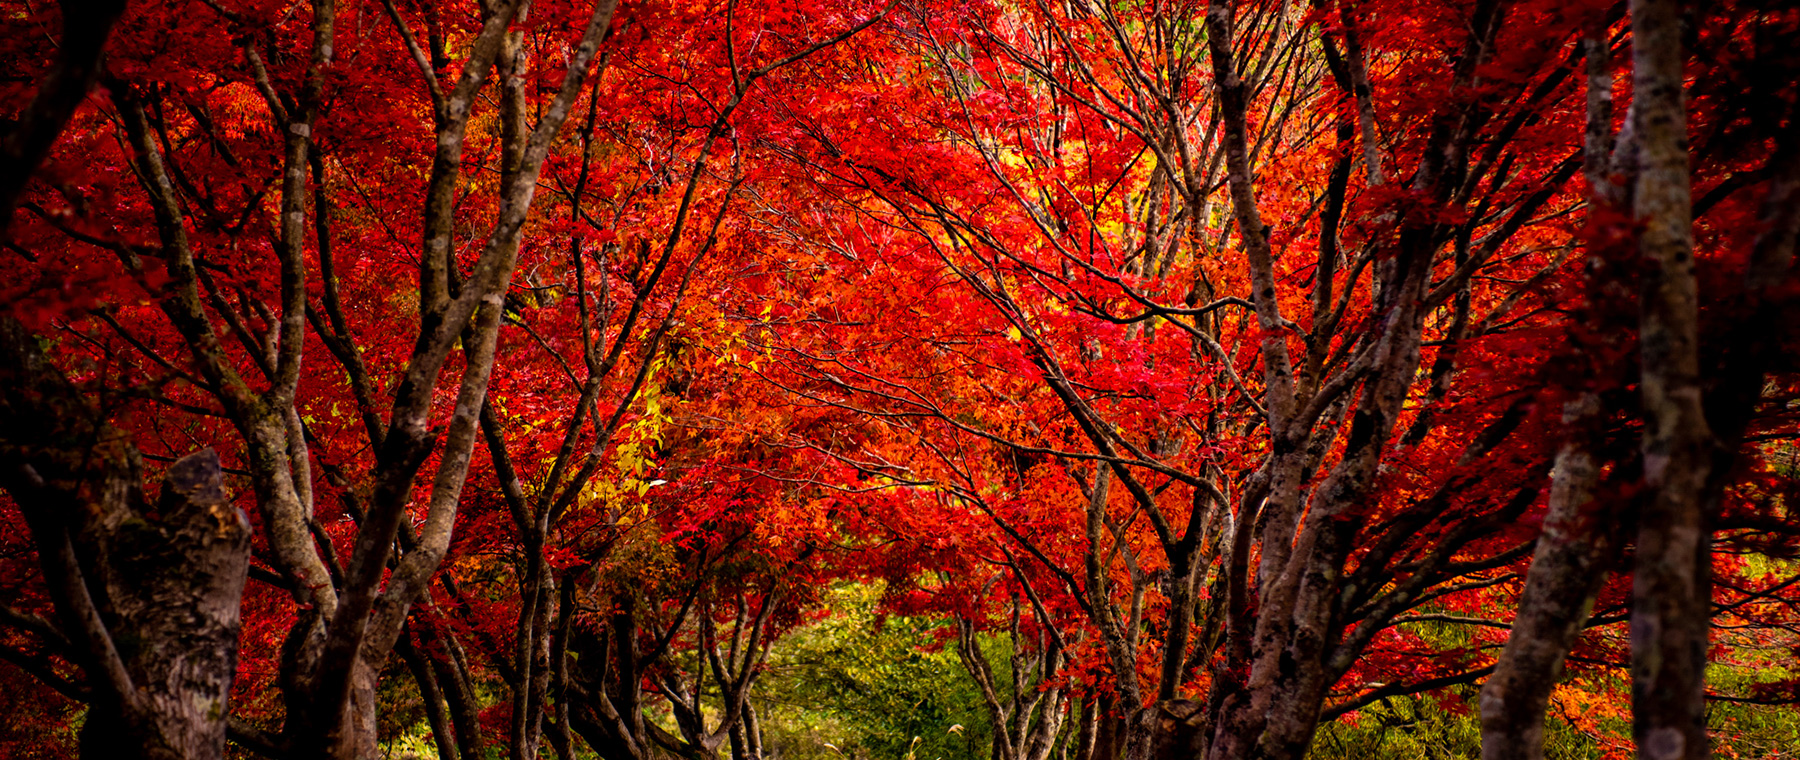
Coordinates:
column 704, row 379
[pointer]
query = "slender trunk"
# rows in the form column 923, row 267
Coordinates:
column 436, row 714
column 1577, row 545
column 85, row 26
column 450, row 663
column 532, row 635
column 1085, row 732
column 1108, row 728
column 1568, row 567
column 1671, row 590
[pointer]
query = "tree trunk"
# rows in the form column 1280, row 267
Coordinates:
column 176, row 583
column 1671, row 590
column 1137, row 732
column 1180, row 730
column 1578, row 543
column 1085, row 731
column 1567, row 568
column 436, row 714
column 85, row 26
column 148, row 596
column 357, row 738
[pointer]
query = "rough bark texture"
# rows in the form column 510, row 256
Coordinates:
column 1571, row 560
column 1180, row 731
column 1670, row 591
column 147, row 595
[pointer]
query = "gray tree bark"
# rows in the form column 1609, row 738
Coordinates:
column 1567, row 568
column 147, row 594
column 1670, row 590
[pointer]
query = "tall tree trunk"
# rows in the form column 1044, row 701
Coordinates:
column 436, row 714
column 1671, row 590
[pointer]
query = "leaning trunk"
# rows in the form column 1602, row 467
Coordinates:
column 1571, row 560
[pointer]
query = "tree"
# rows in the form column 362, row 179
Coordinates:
column 1683, row 465
column 348, row 620
column 146, row 592
column 1225, row 368
column 1061, row 289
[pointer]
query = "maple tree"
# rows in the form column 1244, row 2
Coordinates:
column 1212, row 370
